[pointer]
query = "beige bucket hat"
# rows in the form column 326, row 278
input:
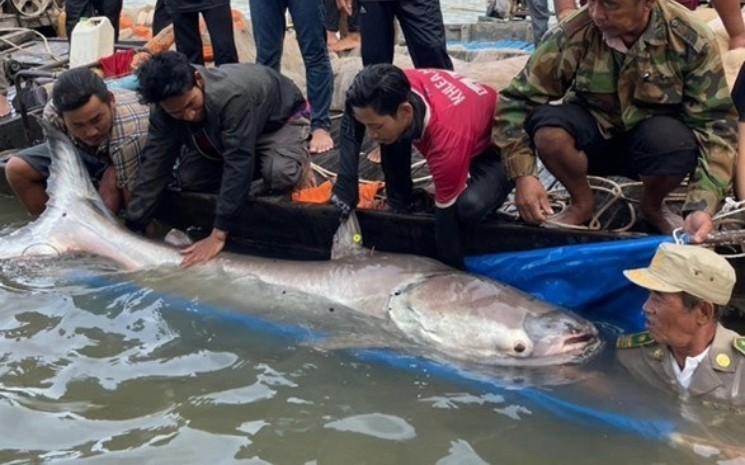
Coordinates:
column 687, row 268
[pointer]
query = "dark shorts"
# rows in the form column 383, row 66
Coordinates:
column 38, row 157
column 658, row 146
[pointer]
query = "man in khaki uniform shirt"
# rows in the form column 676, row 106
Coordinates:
column 686, row 350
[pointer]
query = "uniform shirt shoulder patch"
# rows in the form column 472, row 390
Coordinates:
column 632, row 341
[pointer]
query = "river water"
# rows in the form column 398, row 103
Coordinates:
column 179, row 368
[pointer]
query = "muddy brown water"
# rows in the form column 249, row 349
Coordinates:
column 165, row 368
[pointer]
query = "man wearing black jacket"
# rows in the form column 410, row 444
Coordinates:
column 236, row 122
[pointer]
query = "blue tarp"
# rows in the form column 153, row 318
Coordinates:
column 493, row 45
column 585, row 278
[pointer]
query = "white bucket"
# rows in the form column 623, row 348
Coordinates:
column 92, row 39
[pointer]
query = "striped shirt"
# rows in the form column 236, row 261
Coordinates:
column 127, row 138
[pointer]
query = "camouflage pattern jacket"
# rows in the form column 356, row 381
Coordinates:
column 718, row 381
column 674, row 69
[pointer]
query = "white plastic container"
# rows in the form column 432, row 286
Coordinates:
column 92, row 39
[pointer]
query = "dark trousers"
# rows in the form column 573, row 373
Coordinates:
column 220, row 26
column 161, row 17
column 268, row 20
column 422, row 25
column 76, row 9
column 487, row 189
column 658, row 146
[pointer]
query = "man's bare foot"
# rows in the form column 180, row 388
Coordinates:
column 374, row 156
column 350, row 42
column 574, row 215
column 320, row 141
column 662, row 219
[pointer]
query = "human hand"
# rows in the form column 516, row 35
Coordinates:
column 345, row 6
column 204, row 250
column 698, row 225
column 531, row 199
column 343, row 207
column 737, row 41
column 140, row 58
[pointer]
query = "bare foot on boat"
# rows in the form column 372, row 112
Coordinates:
column 374, row 156
column 350, row 42
column 320, row 141
column 574, row 215
column 662, row 219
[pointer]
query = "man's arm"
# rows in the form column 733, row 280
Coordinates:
column 729, row 12
column 546, row 77
column 241, row 125
column 155, row 171
column 709, row 112
column 346, row 190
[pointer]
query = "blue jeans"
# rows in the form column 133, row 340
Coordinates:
column 539, row 15
column 268, row 19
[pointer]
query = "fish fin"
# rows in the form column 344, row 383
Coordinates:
column 178, row 238
column 69, row 181
column 348, row 239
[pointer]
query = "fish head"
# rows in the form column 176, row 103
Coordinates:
column 466, row 317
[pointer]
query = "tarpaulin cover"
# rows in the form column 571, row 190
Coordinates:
column 585, row 278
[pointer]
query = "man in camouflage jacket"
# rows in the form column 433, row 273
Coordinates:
column 642, row 93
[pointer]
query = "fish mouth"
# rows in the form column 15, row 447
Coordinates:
column 582, row 346
column 580, row 339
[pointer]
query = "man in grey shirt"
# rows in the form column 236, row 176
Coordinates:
column 235, row 123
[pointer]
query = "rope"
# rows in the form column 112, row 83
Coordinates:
column 560, row 201
column 17, row 47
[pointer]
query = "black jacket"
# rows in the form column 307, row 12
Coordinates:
column 242, row 102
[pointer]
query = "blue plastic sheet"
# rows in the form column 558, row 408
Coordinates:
column 493, row 45
column 585, row 278
column 127, row 82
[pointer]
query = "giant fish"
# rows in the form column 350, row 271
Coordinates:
column 437, row 308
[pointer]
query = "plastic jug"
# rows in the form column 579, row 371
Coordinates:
column 92, row 38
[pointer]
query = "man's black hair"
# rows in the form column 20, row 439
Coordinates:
column 381, row 87
column 690, row 302
column 74, row 88
column 164, row 76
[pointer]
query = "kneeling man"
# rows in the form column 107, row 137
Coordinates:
column 686, row 350
column 109, row 129
column 642, row 93
column 448, row 118
column 236, row 123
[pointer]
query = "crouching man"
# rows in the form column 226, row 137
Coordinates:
column 686, row 350
column 235, row 123
column 448, row 118
column 109, row 129
column 643, row 94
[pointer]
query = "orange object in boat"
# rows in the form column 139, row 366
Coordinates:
column 208, row 53
column 322, row 194
column 125, row 22
column 143, row 32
